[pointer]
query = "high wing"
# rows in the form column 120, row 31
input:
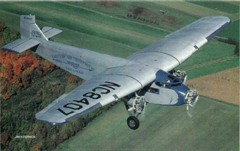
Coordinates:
column 107, row 87
column 176, row 47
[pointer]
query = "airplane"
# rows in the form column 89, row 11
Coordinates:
column 146, row 76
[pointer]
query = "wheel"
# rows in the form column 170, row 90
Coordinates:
column 133, row 122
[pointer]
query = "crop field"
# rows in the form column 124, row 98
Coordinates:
column 104, row 27
column 222, row 85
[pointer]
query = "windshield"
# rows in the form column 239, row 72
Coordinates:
column 170, row 81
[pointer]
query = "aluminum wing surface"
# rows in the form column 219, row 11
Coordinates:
column 176, row 47
column 107, row 87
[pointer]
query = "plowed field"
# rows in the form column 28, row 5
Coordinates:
column 222, row 86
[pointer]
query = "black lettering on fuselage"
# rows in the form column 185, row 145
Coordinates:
column 65, row 112
column 84, row 101
column 75, row 105
column 110, row 85
column 99, row 88
column 92, row 95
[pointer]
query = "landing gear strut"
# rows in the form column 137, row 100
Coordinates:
column 135, row 106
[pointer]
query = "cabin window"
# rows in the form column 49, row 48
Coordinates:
column 153, row 90
column 163, row 85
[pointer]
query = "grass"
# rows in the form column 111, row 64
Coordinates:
column 196, row 10
column 210, row 52
column 151, row 11
column 90, row 29
column 231, row 31
column 221, row 6
column 213, row 67
column 89, row 22
column 166, row 128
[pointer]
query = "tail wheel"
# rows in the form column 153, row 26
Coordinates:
column 133, row 122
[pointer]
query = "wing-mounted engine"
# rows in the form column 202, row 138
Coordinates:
column 136, row 106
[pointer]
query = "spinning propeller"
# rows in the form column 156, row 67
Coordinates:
column 191, row 99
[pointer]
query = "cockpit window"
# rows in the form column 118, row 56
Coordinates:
column 176, row 85
column 175, row 80
column 160, row 84
column 170, row 77
column 168, row 80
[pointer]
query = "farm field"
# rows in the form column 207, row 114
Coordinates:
column 222, row 85
column 214, row 126
column 221, row 6
column 104, row 27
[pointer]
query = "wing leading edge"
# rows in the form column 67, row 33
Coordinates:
column 176, row 47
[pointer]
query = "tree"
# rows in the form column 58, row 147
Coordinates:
column 72, row 79
column 36, row 147
column 5, row 139
column 2, row 25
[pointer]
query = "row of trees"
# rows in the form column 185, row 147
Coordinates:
column 230, row 41
column 142, row 18
column 18, row 71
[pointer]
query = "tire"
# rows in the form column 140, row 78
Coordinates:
column 133, row 122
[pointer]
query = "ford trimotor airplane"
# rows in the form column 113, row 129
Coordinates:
column 147, row 76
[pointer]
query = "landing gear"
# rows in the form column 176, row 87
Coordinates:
column 133, row 122
column 135, row 107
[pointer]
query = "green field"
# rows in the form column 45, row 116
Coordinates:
column 88, row 22
column 221, row 6
column 231, row 31
column 214, row 126
column 108, row 30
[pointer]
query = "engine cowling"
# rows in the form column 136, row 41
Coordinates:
column 181, row 74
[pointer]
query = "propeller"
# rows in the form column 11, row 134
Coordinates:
column 191, row 99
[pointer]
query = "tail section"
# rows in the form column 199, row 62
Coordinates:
column 31, row 35
column 29, row 29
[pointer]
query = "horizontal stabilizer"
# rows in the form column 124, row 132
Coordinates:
column 50, row 32
column 21, row 45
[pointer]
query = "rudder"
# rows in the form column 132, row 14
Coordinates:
column 29, row 29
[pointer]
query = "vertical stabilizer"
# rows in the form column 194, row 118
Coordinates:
column 29, row 29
